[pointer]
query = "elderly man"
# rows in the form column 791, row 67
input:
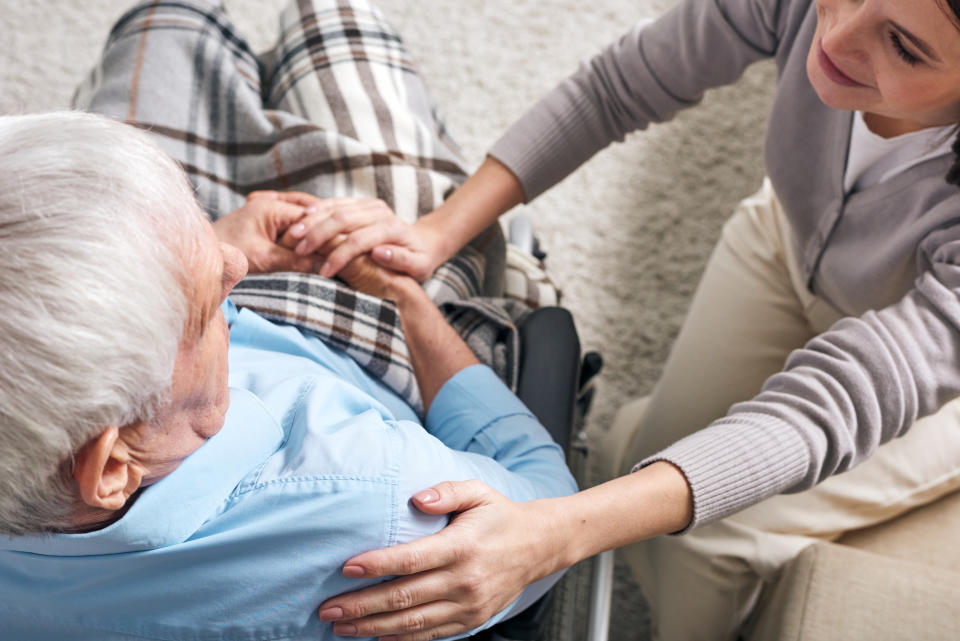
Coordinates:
column 156, row 483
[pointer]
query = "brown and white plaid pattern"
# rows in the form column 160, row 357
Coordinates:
column 336, row 108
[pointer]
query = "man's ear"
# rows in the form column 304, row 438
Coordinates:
column 104, row 471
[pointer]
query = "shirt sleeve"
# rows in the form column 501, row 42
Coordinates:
column 478, row 429
column 475, row 412
column 646, row 76
column 861, row 383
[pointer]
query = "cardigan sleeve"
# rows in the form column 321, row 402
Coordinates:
column 646, row 76
column 861, row 383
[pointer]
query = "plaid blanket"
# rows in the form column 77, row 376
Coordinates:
column 335, row 108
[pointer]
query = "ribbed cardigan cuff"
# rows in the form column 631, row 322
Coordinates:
column 736, row 462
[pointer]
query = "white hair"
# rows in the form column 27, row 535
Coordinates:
column 96, row 227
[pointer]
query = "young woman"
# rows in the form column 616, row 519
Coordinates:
column 827, row 321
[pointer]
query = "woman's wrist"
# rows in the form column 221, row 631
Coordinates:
column 653, row 501
column 473, row 207
column 565, row 548
column 438, row 230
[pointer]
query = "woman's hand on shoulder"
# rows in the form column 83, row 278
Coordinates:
column 455, row 580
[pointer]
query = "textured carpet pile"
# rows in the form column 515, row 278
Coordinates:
column 627, row 236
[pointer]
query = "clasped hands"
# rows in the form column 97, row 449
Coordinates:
column 296, row 231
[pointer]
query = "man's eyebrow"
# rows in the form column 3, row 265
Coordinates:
column 918, row 43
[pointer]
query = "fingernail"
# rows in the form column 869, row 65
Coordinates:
column 301, row 247
column 312, row 209
column 326, row 270
column 384, row 255
column 427, row 496
column 345, row 629
column 353, row 571
column 298, row 229
column 331, row 614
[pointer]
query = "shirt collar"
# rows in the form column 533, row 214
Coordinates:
column 173, row 508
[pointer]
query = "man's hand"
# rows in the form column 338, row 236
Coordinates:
column 257, row 226
column 366, row 276
column 456, row 579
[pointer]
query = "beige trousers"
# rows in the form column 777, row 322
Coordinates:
column 750, row 310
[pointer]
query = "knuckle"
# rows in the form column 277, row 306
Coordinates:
column 356, row 610
column 475, row 485
column 412, row 563
column 473, row 585
column 414, row 621
column 400, row 599
column 367, row 628
column 446, row 487
column 471, row 616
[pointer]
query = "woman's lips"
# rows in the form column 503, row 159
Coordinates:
column 833, row 72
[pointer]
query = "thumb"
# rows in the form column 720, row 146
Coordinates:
column 452, row 496
column 401, row 259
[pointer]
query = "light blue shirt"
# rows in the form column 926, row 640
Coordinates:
column 315, row 463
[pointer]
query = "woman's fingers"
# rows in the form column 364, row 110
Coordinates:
column 360, row 240
column 439, row 632
column 451, row 581
column 341, row 229
column 331, row 219
column 440, row 618
column 324, row 226
column 398, row 596
column 427, row 553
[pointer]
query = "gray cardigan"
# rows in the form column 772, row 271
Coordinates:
column 888, row 256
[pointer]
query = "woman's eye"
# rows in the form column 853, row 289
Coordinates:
column 905, row 55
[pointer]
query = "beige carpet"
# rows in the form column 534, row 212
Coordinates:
column 626, row 236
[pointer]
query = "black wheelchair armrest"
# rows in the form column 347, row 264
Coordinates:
column 549, row 378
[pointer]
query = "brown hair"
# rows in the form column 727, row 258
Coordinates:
column 953, row 176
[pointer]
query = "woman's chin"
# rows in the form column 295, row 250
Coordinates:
column 831, row 94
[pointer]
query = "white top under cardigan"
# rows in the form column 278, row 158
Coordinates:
column 873, row 159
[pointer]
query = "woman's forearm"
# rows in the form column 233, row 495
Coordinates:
column 649, row 502
column 491, row 191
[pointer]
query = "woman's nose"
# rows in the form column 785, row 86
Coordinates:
column 845, row 28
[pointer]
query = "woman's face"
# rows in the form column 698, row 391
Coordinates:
column 898, row 60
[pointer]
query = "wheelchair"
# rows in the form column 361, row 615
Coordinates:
column 552, row 368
